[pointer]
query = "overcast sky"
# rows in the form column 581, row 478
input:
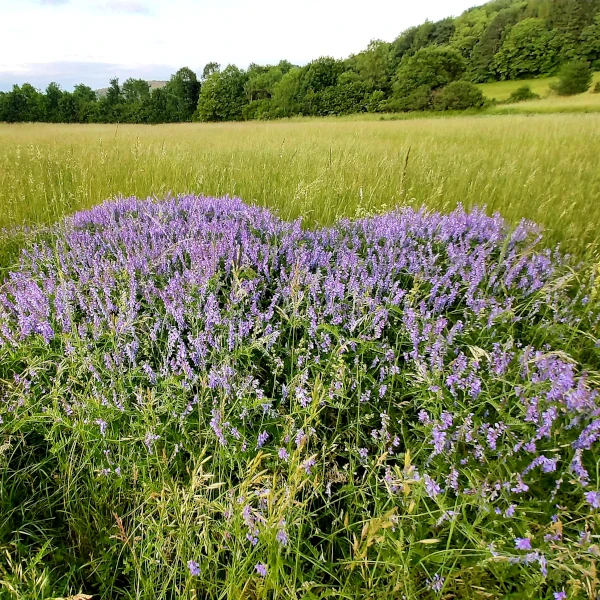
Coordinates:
column 90, row 41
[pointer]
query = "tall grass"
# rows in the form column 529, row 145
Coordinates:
column 501, row 90
column 124, row 334
column 542, row 168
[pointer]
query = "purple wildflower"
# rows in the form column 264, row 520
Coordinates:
column 436, row 583
column 261, row 569
column 522, row 543
column 262, row 439
column 194, row 568
column 431, row 487
column 308, row 464
column 593, row 499
column 282, row 536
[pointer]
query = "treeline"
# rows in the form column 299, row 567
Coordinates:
column 432, row 66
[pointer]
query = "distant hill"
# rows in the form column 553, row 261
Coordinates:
column 153, row 86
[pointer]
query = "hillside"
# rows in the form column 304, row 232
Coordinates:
column 503, row 40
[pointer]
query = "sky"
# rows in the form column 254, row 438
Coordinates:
column 91, row 41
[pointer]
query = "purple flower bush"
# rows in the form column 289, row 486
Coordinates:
column 411, row 393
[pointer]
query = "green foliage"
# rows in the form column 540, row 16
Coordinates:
column 458, row 95
column 111, row 105
column 489, row 43
column 262, row 81
column 433, row 67
column 420, row 99
column 158, row 106
column 288, row 94
column 52, row 99
column 136, row 97
column 522, row 94
column 573, row 78
column 590, row 43
column 222, row 96
column 85, row 103
column 209, row 69
column 596, row 89
column 373, row 66
column 341, row 99
column 182, row 91
column 375, row 101
column 529, row 50
column 90, row 503
column 415, row 38
column 470, row 27
column 322, row 73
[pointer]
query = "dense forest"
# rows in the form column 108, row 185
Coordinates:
column 432, row 66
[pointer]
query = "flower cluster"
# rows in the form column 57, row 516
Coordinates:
column 412, row 352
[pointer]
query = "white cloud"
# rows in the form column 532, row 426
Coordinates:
column 129, row 7
column 144, row 37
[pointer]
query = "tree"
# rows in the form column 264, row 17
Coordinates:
column 418, row 100
column 322, row 73
column 501, row 39
column 111, row 106
column 183, row 91
column 490, row 43
column 402, row 45
column 432, row 67
column 67, row 109
column 136, row 100
column 341, row 99
column 458, row 95
column 374, row 65
column 590, row 43
column 570, row 16
column 222, row 96
column 262, row 81
column 52, row 100
column 209, row 69
column 157, row 106
column 469, row 29
column 135, row 91
column 288, row 94
column 529, row 50
column 573, row 78
column 86, row 103
column 22, row 104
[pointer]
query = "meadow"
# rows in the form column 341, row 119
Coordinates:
column 301, row 359
column 501, row 90
column 542, row 168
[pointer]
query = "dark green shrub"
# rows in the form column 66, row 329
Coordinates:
column 259, row 109
column 458, row 95
column 433, row 67
column 597, row 88
column 420, row 99
column 375, row 101
column 522, row 94
column 574, row 78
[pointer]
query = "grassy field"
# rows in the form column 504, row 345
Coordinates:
column 542, row 168
column 582, row 103
column 200, row 400
column 501, row 90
